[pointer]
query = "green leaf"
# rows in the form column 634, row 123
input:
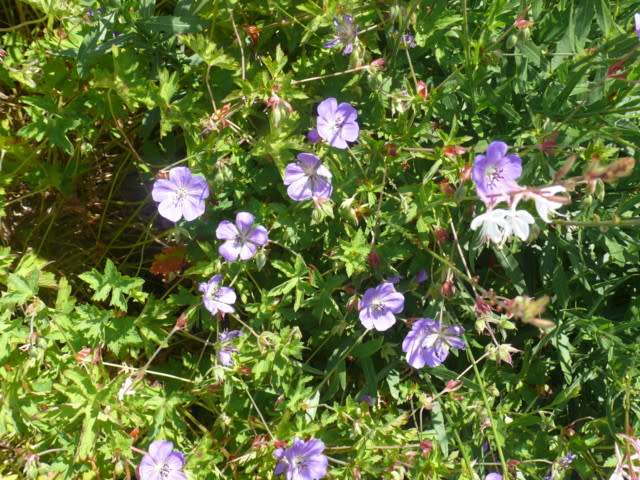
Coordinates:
column 120, row 286
column 174, row 25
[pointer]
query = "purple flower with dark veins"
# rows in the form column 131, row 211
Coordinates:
column 225, row 349
column 162, row 463
column 346, row 34
column 495, row 173
column 216, row 298
column 429, row 341
column 408, row 41
column 337, row 123
column 302, row 461
column 307, row 178
column 379, row 305
column 181, row 195
column 241, row 239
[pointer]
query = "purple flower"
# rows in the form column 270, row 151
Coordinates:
column 493, row 476
column 567, row 460
column 162, row 463
column 346, row 34
column 395, row 279
column 378, row 306
column 307, row 178
column 216, row 298
column 421, row 276
column 181, row 195
column 495, row 173
column 241, row 239
column 337, row 123
column 429, row 341
column 407, row 40
column 303, row 461
column 636, row 17
column 313, row 136
column 225, row 349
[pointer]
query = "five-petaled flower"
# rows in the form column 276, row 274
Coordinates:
column 499, row 224
column 241, row 239
column 162, row 463
column 429, row 341
column 216, row 298
column 337, row 123
column 346, row 34
column 302, row 461
column 225, row 349
column 181, row 195
column 495, row 173
column 307, row 178
column 379, row 305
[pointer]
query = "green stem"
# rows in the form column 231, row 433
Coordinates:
column 487, row 406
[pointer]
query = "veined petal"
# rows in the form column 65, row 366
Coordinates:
column 226, row 295
column 496, row 150
column 161, row 449
column 244, row 221
column 384, row 321
column 323, row 171
column 294, row 172
column 163, row 189
column 170, row 210
column 300, row 190
column 308, row 159
column 258, row 235
column 322, row 188
column 327, row 108
column 226, row 231
column 247, row 251
column 350, row 131
column 229, row 250
column 180, row 175
column 192, row 208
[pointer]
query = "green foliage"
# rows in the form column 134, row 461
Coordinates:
column 96, row 105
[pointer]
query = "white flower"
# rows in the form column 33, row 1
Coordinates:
column 126, row 388
column 499, row 224
column 546, row 201
column 518, row 222
column 493, row 226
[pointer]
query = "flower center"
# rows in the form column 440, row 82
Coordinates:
column 492, row 175
column 181, row 194
column 299, row 462
column 164, row 470
column 378, row 306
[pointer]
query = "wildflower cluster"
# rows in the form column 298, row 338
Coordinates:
column 496, row 177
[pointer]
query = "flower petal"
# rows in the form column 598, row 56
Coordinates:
column 226, row 231
column 244, row 221
column 170, row 210
column 247, row 251
column 192, row 208
column 230, row 250
column 180, row 175
column 161, row 449
column 258, row 235
column 384, row 321
column 496, row 150
column 294, row 172
column 163, row 189
column 327, row 108
column 300, row 190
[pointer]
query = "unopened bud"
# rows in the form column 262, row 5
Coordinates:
column 422, row 89
column 378, row 64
